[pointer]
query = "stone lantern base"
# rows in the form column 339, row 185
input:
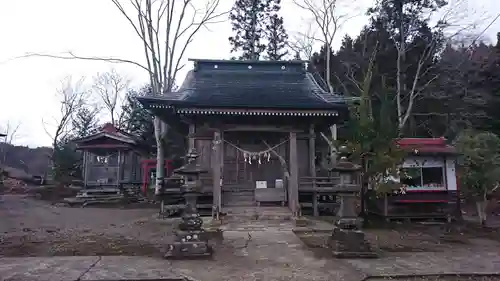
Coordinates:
column 189, row 244
column 347, row 239
column 350, row 243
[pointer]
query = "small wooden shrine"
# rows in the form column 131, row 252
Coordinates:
column 110, row 158
column 428, row 181
column 255, row 125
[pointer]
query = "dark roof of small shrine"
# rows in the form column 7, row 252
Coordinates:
column 107, row 131
column 248, row 84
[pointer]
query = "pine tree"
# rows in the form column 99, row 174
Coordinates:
column 250, row 20
column 277, row 37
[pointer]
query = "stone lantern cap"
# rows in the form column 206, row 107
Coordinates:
column 344, row 165
column 191, row 167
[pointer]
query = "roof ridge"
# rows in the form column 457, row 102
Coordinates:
column 319, row 92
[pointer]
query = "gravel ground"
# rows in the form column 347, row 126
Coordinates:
column 35, row 228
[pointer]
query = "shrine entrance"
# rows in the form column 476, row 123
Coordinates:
column 252, row 160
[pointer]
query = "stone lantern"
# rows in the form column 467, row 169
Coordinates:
column 347, row 239
column 191, row 240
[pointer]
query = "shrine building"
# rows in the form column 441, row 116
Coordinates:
column 255, row 125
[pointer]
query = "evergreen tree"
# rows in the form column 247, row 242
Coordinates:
column 85, row 122
column 249, row 20
column 277, row 38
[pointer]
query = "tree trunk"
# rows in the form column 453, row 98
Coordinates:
column 328, row 69
column 481, row 211
column 160, row 158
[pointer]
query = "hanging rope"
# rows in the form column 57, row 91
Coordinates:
column 256, row 155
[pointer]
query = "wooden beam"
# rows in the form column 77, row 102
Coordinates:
column 254, row 128
column 293, row 187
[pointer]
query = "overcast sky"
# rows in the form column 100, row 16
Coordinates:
column 96, row 28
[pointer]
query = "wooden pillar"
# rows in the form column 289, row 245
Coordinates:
column 216, row 169
column 312, row 166
column 118, row 174
column 312, row 151
column 293, row 185
column 192, row 130
column 85, row 168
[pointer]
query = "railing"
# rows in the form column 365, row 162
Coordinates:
column 318, row 184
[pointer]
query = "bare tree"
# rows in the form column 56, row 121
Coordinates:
column 302, row 43
column 71, row 97
column 327, row 19
column 449, row 21
column 165, row 28
column 111, row 88
column 10, row 133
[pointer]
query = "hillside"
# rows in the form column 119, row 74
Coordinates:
column 23, row 160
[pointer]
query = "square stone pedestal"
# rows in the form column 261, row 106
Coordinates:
column 188, row 250
column 350, row 244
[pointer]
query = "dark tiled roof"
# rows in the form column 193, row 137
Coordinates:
column 107, row 131
column 426, row 146
column 247, row 84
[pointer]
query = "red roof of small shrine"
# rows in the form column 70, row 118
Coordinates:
column 107, row 131
column 426, row 145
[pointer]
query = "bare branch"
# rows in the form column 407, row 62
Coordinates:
column 166, row 28
column 327, row 19
column 303, row 43
column 72, row 56
column 71, row 98
column 11, row 131
column 111, row 88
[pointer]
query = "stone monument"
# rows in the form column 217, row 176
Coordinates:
column 191, row 240
column 347, row 239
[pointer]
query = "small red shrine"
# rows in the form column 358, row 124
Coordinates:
column 428, row 181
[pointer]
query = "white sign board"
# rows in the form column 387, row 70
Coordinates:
column 260, row 184
column 278, row 183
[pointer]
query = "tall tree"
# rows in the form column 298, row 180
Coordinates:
column 136, row 120
column 65, row 161
column 417, row 43
column 249, row 20
column 85, row 121
column 481, row 161
column 277, row 38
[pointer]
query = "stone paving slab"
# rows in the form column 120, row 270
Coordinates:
column 431, row 263
column 85, row 268
column 120, row 267
column 269, row 255
column 45, row 268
